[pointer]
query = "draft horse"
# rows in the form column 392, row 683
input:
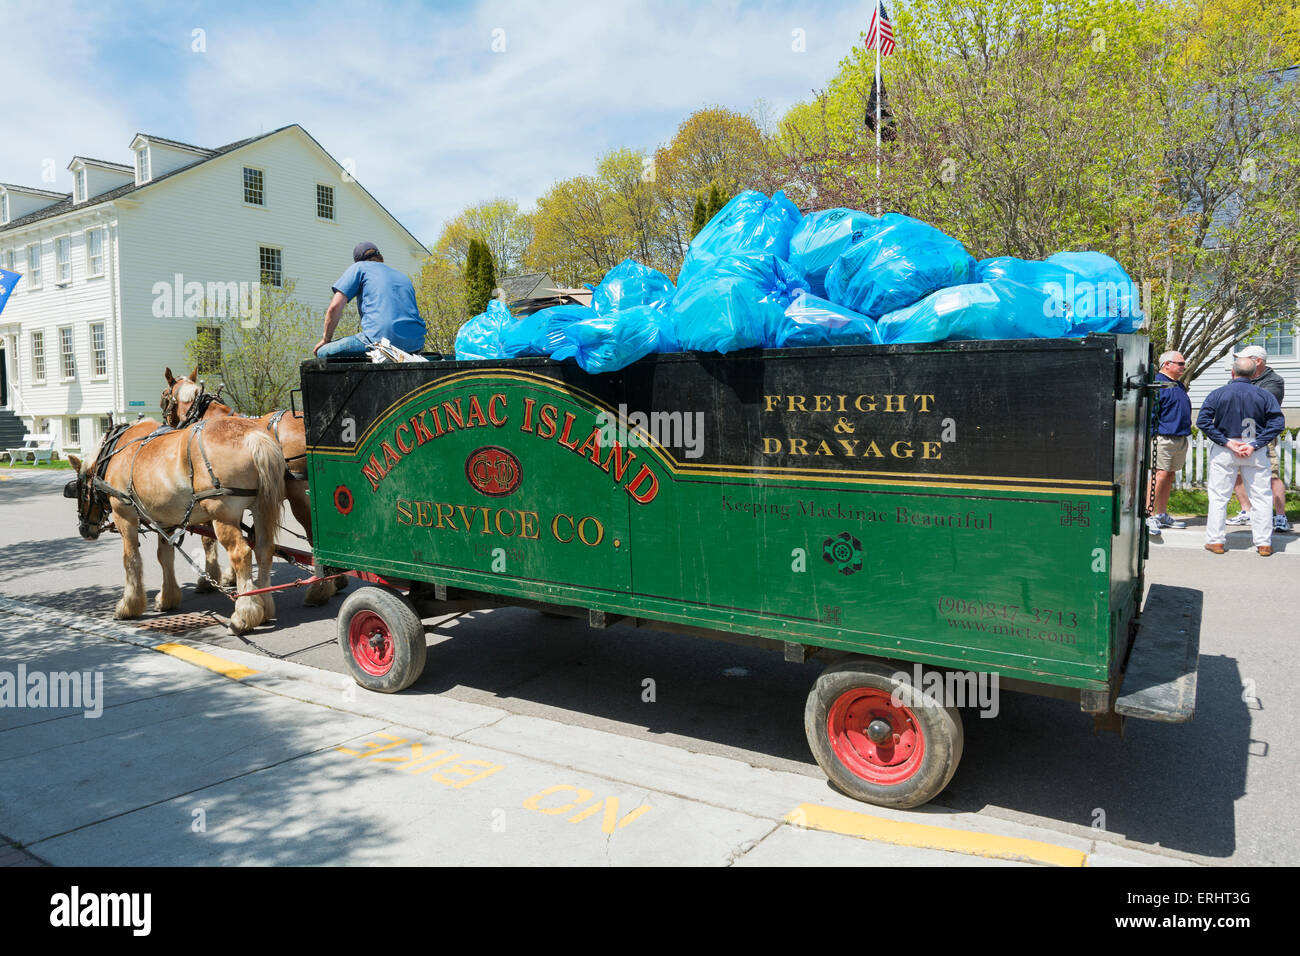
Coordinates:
column 184, row 402
column 156, row 478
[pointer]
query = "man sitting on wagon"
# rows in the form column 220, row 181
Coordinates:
column 386, row 301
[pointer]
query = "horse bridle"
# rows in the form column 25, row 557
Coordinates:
column 91, row 489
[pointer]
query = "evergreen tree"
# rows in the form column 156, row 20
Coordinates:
column 473, row 258
column 716, row 202
column 700, row 217
column 487, row 276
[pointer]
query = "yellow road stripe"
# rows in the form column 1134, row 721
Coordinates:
column 925, row 836
column 204, row 659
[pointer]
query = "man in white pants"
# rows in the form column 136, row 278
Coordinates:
column 1241, row 420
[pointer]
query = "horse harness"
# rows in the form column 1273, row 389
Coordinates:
column 273, row 426
column 94, row 488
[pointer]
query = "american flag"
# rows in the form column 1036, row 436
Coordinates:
column 880, row 26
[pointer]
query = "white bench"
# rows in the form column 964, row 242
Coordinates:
column 38, row 447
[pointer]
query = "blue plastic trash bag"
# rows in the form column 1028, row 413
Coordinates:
column 532, row 335
column 480, row 337
column 999, row 309
column 815, row 321
column 607, row 343
column 897, row 261
column 1093, row 288
column 819, row 239
column 736, row 302
column 667, row 341
column 631, row 284
column 750, row 224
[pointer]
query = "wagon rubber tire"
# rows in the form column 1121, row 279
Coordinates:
column 382, row 639
column 914, row 761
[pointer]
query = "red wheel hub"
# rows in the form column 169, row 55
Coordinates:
column 898, row 755
column 371, row 643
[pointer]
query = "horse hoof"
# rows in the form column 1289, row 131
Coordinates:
column 124, row 611
column 204, row 586
column 228, row 579
column 268, row 607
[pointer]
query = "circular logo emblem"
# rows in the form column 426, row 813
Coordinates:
column 844, row 552
column 493, row 471
column 343, row 499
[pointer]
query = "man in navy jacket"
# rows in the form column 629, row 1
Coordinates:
column 1241, row 420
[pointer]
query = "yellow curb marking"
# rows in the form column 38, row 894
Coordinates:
column 204, row 659
column 928, row 837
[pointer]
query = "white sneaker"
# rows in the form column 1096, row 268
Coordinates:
column 1241, row 517
column 1153, row 526
column 1280, row 523
column 1168, row 522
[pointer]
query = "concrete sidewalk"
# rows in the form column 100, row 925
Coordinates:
column 240, row 759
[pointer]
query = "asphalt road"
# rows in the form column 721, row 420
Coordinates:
column 1216, row 791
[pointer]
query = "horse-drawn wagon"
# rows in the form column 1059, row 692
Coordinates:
column 905, row 512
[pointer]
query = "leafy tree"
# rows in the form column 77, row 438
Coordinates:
column 440, row 296
column 498, row 223
column 480, row 276
column 256, row 356
column 1153, row 132
column 713, row 146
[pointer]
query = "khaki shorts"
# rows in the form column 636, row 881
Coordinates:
column 1272, row 457
column 1171, row 453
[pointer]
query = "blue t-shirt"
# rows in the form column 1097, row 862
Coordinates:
column 386, row 299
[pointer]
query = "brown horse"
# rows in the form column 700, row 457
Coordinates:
column 164, row 479
column 178, row 405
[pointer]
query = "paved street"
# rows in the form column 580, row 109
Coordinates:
column 557, row 708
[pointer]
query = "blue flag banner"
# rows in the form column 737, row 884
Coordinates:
column 7, row 282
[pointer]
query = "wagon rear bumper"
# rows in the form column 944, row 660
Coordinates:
column 1159, row 681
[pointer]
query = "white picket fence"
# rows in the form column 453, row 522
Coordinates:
column 1198, row 461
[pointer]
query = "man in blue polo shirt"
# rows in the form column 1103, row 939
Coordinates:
column 386, row 301
column 1173, row 427
column 1241, row 420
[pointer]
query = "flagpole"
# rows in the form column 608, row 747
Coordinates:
column 879, row 96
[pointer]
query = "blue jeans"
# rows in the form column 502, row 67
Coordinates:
column 349, row 345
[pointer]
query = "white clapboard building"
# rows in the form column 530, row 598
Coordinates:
column 89, row 328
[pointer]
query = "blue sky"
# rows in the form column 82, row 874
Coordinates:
column 413, row 93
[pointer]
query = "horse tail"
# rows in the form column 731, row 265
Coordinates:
column 268, row 459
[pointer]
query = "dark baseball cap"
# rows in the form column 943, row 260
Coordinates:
column 365, row 250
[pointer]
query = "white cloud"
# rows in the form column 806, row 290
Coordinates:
column 414, row 93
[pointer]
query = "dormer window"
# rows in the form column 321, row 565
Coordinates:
column 79, row 185
column 142, row 165
column 4, row 208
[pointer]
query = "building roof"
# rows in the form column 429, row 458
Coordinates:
column 34, row 191
column 173, row 142
column 122, row 167
column 526, row 285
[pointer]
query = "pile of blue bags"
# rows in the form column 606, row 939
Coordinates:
column 760, row 275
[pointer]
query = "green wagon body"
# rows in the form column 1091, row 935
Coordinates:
column 972, row 505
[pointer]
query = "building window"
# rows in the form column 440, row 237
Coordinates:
column 254, row 191
column 98, row 353
column 67, row 357
column 38, row 357
column 63, row 260
column 209, row 351
column 74, row 431
column 4, row 208
column 94, row 252
column 34, row 266
column 105, row 423
column 325, row 202
column 269, row 261
column 1277, row 339
column 79, row 185
column 142, row 164
column 9, row 260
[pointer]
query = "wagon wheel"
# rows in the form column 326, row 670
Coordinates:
column 878, row 737
column 382, row 639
